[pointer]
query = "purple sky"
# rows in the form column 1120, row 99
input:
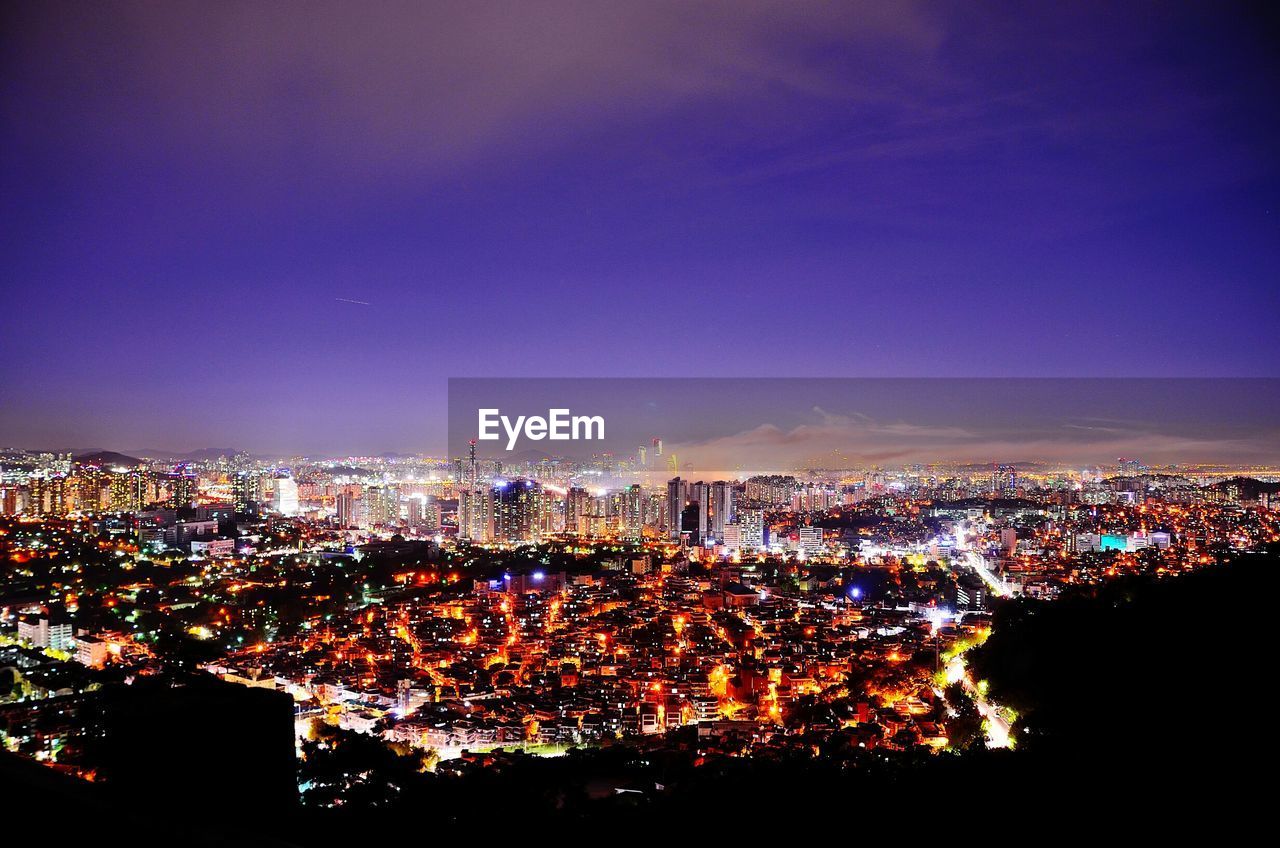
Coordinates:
column 194, row 194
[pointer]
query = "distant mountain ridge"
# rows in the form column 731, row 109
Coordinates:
column 1249, row 488
column 106, row 457
column 529, row 455
column 200, row 455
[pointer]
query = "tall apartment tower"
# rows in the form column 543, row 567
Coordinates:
column 677, row 497
column 700, row 493
column 720, row 508
column 349, row 509
column 633, row 512
column 475, row 502
column 577, row 509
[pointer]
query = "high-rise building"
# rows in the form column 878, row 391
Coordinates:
column 123, row 492
column 348, row 507
column 1004, row 480
column 475, row 502
column 1009, row 541
column 751, row 526
column 700, row 494
column 47, row 494
column 129, row 491
column 633, row 512
column 413, row 508
column 814, row 499
column 284, row 495
column 655, row 509
column 87, row 493
column 1130, row 467
column 577, row 509
column 423, row 514
column 770, row 490
column 677, row 498
column 811, row 540
column 475, row 515
column 37, row 495
column 182, row 490
column 720, row 507
column 514, row 510
column 382, row 506
column 548, row 512
column 244, row 491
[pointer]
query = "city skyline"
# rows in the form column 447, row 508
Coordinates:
column 747, row 425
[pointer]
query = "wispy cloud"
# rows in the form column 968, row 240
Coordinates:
column 419, row 84
column 833, row 441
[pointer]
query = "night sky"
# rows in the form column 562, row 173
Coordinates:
column 281, row 226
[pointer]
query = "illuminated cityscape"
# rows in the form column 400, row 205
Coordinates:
column 714, row 422
column 469, row 611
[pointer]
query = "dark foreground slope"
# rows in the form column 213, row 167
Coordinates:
column 1175, row 668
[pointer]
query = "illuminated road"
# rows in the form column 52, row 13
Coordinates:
column 974, row 560
column 996, row 727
